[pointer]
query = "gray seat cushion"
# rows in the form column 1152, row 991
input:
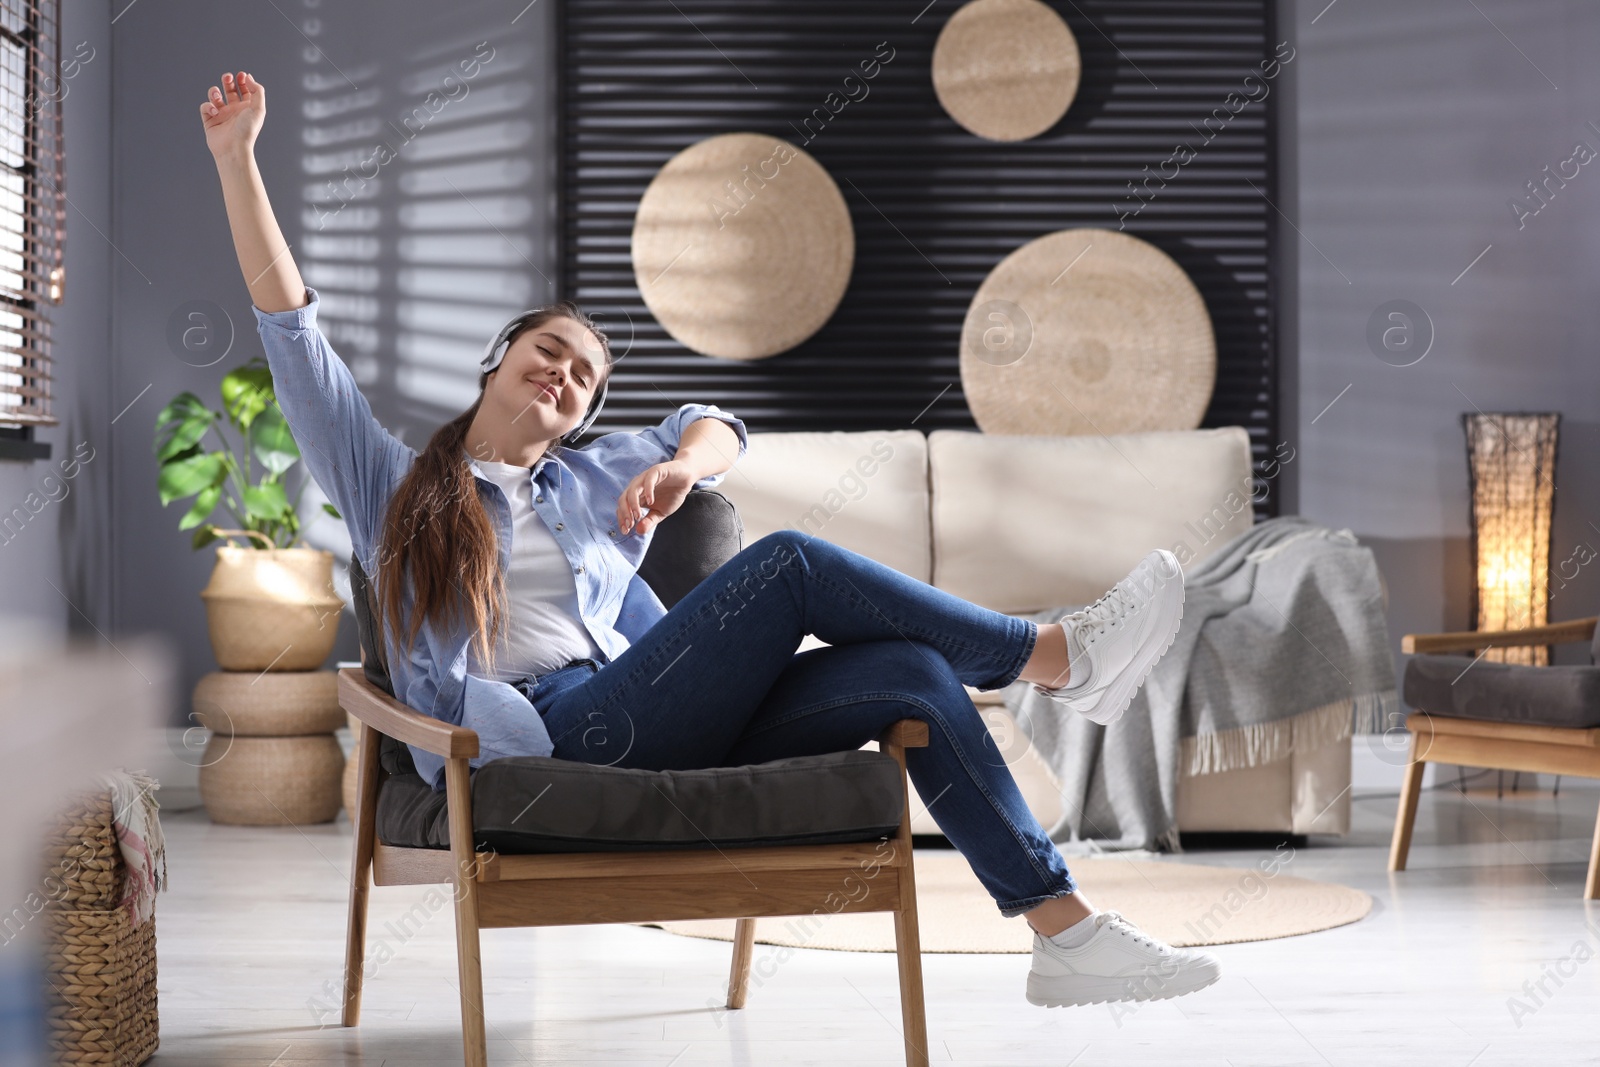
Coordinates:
column 528, row 804
column 1504, row 692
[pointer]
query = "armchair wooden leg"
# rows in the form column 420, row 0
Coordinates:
column 744, row 945
column 1591, row 885
column 1406, row 816
column 355, row 946
column 907, row 944
column 908, row 952
column 458, row 798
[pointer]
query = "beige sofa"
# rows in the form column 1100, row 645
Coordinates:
column 1024, row 523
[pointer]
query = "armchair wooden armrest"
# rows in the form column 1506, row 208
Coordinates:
column 387, row 715
column 1555, row 633
column 907, row 733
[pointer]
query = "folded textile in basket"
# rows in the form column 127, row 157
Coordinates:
column 1283, row 647
column 144, row 851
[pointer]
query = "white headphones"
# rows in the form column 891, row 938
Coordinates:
column 495, row 351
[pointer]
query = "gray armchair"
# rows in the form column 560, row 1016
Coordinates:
column 1505, row 716
column 824, row 833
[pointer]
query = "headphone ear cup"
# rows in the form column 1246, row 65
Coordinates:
column 491, row 360
column 571, row 436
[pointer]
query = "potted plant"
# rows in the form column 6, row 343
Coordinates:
column 271, row 609
column 270, row 604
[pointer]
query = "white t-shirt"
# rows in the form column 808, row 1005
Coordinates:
column 543, row 627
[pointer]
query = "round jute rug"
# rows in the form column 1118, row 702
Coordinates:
column 1184, row 904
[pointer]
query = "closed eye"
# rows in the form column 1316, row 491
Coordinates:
column 577, row 375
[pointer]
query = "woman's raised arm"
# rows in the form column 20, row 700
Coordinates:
column 232, row 116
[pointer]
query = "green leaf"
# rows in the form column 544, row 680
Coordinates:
column 180, row 426
column 331, row 510
column 247, row 392
column 185, row 477
column 266, row 502
column 204, row 536
column 204, row 505
column 272, row 442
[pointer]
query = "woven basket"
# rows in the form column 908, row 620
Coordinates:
column 269, row 703
column 272, row 781
column 102, row 974
column 101, row 970
column 84, row 868
column 272, row 609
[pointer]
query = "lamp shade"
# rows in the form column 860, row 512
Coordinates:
column 1512, row 460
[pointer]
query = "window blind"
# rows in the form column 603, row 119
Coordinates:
column 33, row 82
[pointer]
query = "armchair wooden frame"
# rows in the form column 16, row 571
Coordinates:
column 598, row 887
column 1495, row 745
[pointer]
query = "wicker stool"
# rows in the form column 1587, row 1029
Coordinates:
column 273, row 759
column 101, row 969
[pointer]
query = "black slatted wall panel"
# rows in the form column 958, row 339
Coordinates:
column 934, row 208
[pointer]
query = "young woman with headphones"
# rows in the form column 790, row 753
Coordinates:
column 506, row 562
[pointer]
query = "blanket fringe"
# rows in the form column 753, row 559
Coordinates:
column 1377, row 713
column 1268, row 742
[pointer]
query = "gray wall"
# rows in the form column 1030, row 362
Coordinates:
column 1417, row 123
column 57, row 571
column 416, row 266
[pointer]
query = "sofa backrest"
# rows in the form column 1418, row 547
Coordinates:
column 867, row 491
column 1027, row 522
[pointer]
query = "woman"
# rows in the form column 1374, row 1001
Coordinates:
column 506, row 569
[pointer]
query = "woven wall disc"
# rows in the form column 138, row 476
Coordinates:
column 1006, row 70
column 742, row 246
column 1087, row 331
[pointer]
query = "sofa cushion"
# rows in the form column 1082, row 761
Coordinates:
column 1503, row 692
column 525, row 804
column 1024, row 522
column 866, row 491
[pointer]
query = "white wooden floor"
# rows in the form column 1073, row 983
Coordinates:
column 250, row 952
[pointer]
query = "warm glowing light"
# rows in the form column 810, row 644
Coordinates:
column 1512, row 460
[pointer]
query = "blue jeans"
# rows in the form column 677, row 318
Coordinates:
column 718, row 683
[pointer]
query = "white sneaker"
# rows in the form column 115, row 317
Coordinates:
column 1118, row 962
column 1113, row 644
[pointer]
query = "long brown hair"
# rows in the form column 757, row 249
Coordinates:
column 437, row 533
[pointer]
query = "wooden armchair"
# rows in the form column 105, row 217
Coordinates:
column 551, row 888
column 1497, row 715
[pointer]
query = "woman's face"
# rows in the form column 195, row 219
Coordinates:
column 549, row 375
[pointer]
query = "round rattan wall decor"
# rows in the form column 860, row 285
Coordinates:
column 742, row 246
column 1006, row 70
column 1087, row 331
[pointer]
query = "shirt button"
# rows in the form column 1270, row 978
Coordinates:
column 578, row 571
column 538, row 500
column 561, row 526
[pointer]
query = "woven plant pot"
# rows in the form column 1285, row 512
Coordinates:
column 272, row 781
column 270, row 704
column 272, row 608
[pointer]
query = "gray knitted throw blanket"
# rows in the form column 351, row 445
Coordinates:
column 1282, row 647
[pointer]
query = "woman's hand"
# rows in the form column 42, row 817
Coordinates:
column 233, row 114
column 660, row 489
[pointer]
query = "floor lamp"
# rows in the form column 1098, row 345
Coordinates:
column 1512, row 459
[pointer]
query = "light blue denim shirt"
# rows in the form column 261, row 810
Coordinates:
column 359, row 465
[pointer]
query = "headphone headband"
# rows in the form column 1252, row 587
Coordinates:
column 495, row 351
